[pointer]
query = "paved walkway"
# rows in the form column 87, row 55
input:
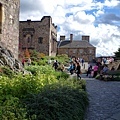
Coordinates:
column 104, row 99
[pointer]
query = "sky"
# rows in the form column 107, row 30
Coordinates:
column 100, row 19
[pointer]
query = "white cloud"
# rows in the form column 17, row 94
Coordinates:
column 99, row 12
column 111, row 3
column 74, row 16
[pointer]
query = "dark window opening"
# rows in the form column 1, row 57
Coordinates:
column 28, row 39
column 40, row 40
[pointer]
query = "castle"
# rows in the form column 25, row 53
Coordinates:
column 38, row 35
column 9, row 24
column 41, row 36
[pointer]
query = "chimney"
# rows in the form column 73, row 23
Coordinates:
column 71, row 37
column 86, row 38
column 62, row 37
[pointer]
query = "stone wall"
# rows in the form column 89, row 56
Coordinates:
column 10, row 25
column 38, row 35
column 86, row 53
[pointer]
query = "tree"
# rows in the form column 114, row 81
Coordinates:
column 117, row 53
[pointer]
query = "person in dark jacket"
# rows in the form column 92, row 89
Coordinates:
column 78, row 70
column 55, row 65
column 89, row 70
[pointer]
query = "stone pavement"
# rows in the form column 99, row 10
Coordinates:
column 104, row 99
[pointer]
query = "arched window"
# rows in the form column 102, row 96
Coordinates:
column 28, row 39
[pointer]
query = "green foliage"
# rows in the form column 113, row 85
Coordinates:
column 57, row 102
column 62, row 58
column 33, row 54
column 61, row 75
column 42, row 62
column 11, row 109
column 117, row 53
column 46, row 94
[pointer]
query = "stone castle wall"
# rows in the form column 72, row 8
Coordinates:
column 10, row 25
column 38, row 35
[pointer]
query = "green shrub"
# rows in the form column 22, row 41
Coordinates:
column 11, row 108
column 57, row 102
column 61, row 75
column 41, row 96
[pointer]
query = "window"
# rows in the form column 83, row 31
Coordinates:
column 74, row 50
column 40, row 40
column 81, row 50
column 28, row 39
column 90, row 51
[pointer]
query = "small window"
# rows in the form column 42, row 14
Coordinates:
column 28, row 39
column 40, row 40
column 90, row 51
column 81, row 50
column 74, row 51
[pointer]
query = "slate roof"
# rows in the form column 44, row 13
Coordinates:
column 74, row 44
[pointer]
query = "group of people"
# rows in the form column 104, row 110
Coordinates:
column 28, row 61
column 75, row 67
column 98, row 68
column 56, row 64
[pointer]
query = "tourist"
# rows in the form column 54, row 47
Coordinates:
column 62, row 67
column 89, row 71
column 113, row 68
column 23, row 62
column 71, row 68
column 55, row 64
column 78, row 70
column 95, row 70
column 29, row 61
column 105, row 69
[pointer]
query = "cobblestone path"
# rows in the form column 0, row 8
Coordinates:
column 104, row 99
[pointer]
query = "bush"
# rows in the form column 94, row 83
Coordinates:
column 57, row 102
column 41, row 96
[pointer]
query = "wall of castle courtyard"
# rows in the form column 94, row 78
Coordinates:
column 9, row 24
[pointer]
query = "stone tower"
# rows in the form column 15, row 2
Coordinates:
column 9, row 24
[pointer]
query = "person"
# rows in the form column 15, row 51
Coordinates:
column 23, row 62
column 62, row 67
column 95, row 69
column 89, row 70
column 82, row 62
column 105, row 69
column 78, row 70
column 71, row 68
column 55, row 64
column 29, row 61
column 113, row 68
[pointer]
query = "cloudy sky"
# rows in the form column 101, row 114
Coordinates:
column 100, row 19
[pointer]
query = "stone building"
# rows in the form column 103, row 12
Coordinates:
column 77, row 48
column 9, row 24
column 38, row 35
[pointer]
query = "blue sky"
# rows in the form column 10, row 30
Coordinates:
column 100, row 19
